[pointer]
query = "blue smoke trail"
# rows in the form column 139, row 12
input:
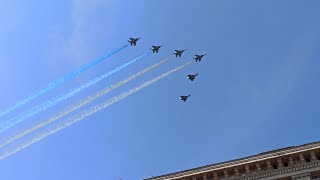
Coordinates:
column 86, row 113
column 59, row 82
column 50, row 103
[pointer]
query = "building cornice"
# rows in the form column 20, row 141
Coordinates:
column 239, row 162
column 283, row 172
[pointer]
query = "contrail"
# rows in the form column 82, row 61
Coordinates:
column 80, row 104
column 89, row 112
column 59, row 82
column 50, row 103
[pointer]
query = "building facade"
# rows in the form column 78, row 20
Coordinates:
column 291, row 163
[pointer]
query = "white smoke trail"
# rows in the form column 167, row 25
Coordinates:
column 79, row 105
column 52, row 102
column 60, row 81
column 89, row 112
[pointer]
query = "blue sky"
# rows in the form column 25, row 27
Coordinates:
column 257, row 88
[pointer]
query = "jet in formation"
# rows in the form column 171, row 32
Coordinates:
column 199, row 57
column 155, row 48
column 192, row 76
column 184, row 98
column 133, row 41
column 178, row 52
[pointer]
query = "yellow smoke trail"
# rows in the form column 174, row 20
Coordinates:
column 89, row 112
column 79, row 105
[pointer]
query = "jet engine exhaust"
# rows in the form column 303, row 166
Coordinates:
column 59, row 82
column 87, row 113
column 50, row 103
column 80, row 104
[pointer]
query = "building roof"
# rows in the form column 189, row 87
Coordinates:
column 250, row 159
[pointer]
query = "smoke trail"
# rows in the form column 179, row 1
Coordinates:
column 50, row 103
column 80, row 104
column 89, row 112
column 59, row 82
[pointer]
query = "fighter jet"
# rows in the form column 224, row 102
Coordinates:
column 199, row 57
column 155, row 48
column 178, row 52
column 133, row 41
column 184, row 98
column 192, row 77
